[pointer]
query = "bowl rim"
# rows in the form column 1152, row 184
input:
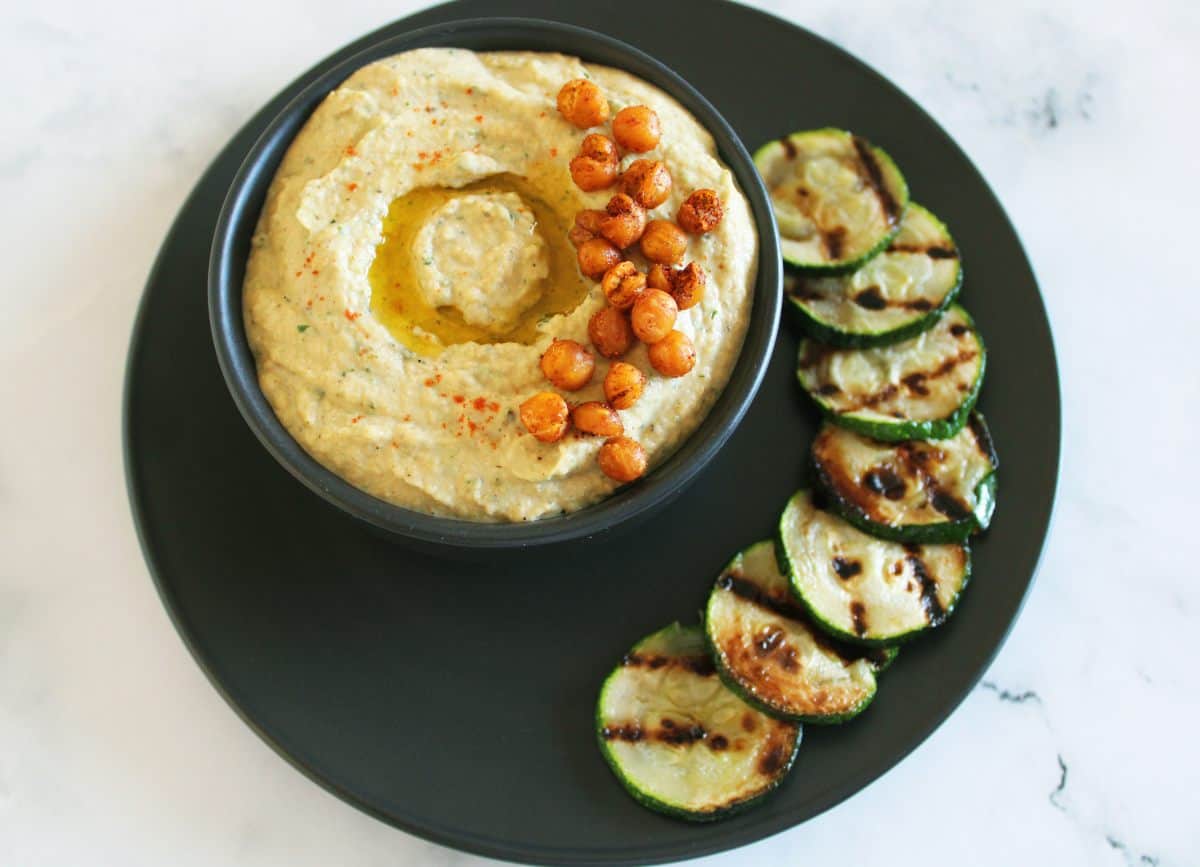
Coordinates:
column 239, row 215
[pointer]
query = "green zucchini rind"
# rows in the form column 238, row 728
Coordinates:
column 768, row 653
column 838, row 199
column 865, row 590
column 895, row 296
column 884, row 657
column 679, row 740
column 921, row 388
column 917, row 491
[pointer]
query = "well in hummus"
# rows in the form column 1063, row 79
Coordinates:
column 416, row 259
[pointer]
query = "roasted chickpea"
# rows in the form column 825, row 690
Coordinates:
column 623, row 385
column 622, row 459
column 597, row 418
column 701, row 212
column 663, row 242
column 637, row 128
column 596, row 165
column 647, row 182
column 581, row 103
column 546, row 416
column 653, row 316
column 687, row 285
column 622, row 284
column 609, row 331
column 625, row 222
column 568, row 365
column 659, row 277
column 674, row 355
column 596, row 256
column 586, row 226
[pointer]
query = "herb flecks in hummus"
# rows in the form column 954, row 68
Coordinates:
column 412, row 264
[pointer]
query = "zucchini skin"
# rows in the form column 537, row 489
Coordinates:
column 847, row 265
column 849, row 637
column 942, row 533
column 900, row 430
column 731, row 682
column 658, row 806
column 890, row 654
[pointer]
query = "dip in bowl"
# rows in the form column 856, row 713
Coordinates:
column 395, row 257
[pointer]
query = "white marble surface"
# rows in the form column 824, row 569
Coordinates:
column 1080, row 747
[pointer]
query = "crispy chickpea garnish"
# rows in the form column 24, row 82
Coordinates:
column 609, row 331
column 568, row 365
column 687, row 285
column 598, row 419
column 663, row 242
column 622, row 459
column 596, row 256
column 623, row 385
column 587, row 226
column 701, row 212
column 659, row 277
column 581, row 103
column 637, row 128
column 546, row 416
column 674, row 355
column 597, row 164
column 648, row 182
column 622, row 284
column 625, row 222
column 653, row 316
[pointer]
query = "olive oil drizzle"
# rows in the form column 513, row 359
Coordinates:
column 396, row 300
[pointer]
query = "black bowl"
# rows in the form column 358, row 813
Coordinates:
column 231, row 247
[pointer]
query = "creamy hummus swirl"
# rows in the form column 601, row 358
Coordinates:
column 431, row 424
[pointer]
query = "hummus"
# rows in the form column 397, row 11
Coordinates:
column 411, row 265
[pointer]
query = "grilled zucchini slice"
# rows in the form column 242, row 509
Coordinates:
column 679, row 740
column 767, row 652
column 865, row 590
column 838, row 199
column 921, row 388
column 895, row 296
column 917, row 491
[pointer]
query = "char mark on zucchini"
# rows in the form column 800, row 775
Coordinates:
column 846, row 569
column 700, row 665
column 874, row 175
column 775, row 603
column 934, row 612
column 858, row 614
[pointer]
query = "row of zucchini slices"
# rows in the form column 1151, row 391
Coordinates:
column 701, row 721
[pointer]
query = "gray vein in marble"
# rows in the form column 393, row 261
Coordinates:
column 1014, row 697
column 1062, row 785
column 1130, row 857
column 1058, row 793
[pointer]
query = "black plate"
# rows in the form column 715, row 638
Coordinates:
column 455, row 700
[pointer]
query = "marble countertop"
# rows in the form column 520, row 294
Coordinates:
column 1075, row 750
